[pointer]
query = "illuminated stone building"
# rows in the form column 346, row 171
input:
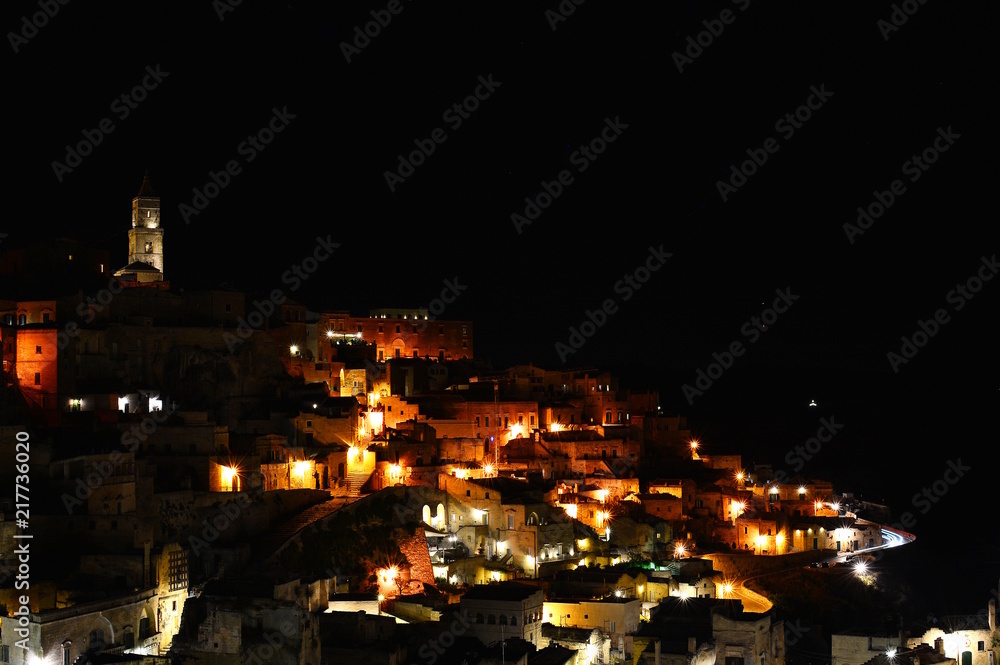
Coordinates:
column 397, row 334
column 145, row 239
column 503, row 611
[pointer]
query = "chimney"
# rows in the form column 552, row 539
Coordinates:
column 939, row 645
column 992, row 606
column 656, row 651
column 692, row 645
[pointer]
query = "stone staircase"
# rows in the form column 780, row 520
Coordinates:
column 270, row 542
column 355, row 481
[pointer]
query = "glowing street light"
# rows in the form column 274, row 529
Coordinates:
column 229, row 473
column 679, row 551
column 388, row 575
column 294, row 350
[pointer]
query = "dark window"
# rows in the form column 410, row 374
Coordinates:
column 38, row 378
column 38, row 349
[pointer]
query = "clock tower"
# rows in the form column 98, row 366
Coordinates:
column 145, row 238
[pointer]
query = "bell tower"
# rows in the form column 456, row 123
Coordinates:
column 145, row 238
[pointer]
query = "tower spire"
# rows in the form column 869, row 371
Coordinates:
column 146, row 189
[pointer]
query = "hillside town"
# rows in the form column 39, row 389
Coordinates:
column 229, row 477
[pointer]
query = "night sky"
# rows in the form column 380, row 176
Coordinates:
column 682, row 117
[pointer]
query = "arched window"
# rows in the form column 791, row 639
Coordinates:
column 513, row 620
column 479, row 618
column 491, row 619
column 503, row 620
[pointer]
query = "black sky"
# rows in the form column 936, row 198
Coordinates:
column 655, row 185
